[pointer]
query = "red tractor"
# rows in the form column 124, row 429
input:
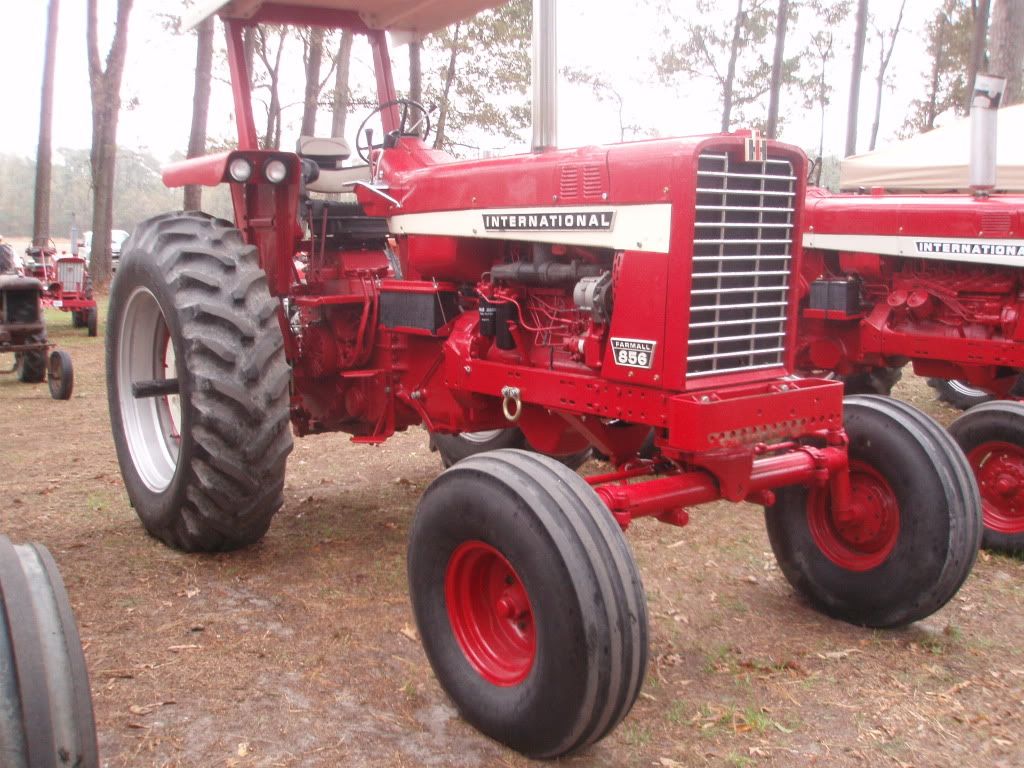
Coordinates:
column 67, row 285
column 934, row 280
column 581, row 296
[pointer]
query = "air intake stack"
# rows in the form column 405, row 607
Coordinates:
column 988, row 92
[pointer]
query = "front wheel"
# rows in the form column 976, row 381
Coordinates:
column 529, row 602
column 992, row 437
column 60, row 376
column 911, row 535
column 959, row 394
column 197, row 384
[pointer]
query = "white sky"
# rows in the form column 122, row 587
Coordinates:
column 593, row 34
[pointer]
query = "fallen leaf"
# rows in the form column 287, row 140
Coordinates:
column 411, row 633
column 244, row 749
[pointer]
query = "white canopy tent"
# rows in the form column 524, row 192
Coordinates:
column 937, row 160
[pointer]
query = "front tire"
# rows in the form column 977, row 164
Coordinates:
column 60, row 376
column 915, row 526
column 92, row 321
column 529, row 602
column 203, row 459
column 959, row 394
column 992, row 437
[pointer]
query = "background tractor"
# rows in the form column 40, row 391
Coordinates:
column 23, row 334
column 936, row 280
column 583, row 297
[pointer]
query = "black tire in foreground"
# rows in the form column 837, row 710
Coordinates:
column 876, row 381
column 60, row 375
column 30, row 367
column 958, row 394
column 46, row 715
column 528, row 601
column 992, row 437
column 197, row 384
column 455, row 448
column 913, row 531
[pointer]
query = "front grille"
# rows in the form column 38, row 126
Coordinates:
column 742, row 253
column 71, row 275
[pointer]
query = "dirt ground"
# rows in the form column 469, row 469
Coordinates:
column 301, row 651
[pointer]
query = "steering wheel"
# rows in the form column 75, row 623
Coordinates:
column 407, row 126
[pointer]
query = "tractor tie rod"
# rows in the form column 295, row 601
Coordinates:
column 155, row 388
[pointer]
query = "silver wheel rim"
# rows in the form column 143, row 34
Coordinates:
column 962, row 388
column 483, row 436
column 151, row 424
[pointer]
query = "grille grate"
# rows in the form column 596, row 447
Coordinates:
column 742, row 252
column 71, row 275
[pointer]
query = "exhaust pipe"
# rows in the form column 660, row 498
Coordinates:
column 545, row 76
column 988, row 92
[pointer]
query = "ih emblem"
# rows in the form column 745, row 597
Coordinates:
column 755, row 148
column 633, row 353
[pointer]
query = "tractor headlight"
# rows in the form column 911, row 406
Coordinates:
column 275, row 171
column 240, row 170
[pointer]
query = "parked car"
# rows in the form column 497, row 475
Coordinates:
column 117, row 238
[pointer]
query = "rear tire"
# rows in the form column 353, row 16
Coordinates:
column 30, row 367
column 959, row 394
column 528, row 601
column 992, row 437
column 204, row 466
column 455, row 448
column 60, row 375
column 915, row 538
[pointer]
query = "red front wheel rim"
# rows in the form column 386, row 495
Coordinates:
column 999, row 468
column 490, row 613
column 865, row 536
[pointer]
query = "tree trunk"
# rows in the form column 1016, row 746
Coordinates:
column 44, row 153
column 781, row 22
column 730, row 75
column 311, row 99
column 341, row 99
column 884, row 56
column 193, row 200
column 858, row 64
column 942, row 25
column 1007, row 35
column 105, row 87
column 442, row 117
column 415, row 71
column 272, row 137
column 977, row 55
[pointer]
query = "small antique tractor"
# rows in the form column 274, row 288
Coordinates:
column 581, row 296
column 23, row 334
column 66, row 285
column 936, row 280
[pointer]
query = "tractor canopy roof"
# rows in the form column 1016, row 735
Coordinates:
column 412, row 18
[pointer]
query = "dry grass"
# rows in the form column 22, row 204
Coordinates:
column 298, row 652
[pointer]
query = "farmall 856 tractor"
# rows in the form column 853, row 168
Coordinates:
column 584, row 296
column 936, row 280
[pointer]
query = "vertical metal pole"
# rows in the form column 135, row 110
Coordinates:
column 545, row 75
column 240, row 86
column 988, row 92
